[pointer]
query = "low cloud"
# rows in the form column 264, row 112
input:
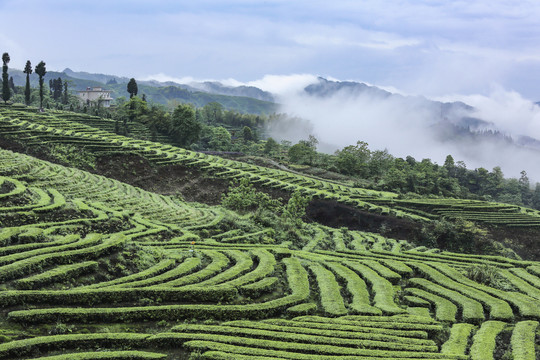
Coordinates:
column 284, row 85
column 509, row 111
column 404, row 126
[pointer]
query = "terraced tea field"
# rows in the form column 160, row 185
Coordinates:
column 94, row 135
column 92, row 268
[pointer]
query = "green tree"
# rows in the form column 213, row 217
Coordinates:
column 221, row 139
column 27, row 90
column 525, row 187
column 41, row 71
column 353, row 159
column 460, row 236
column 301, row 153
column 120, row 101
column 296, row 207
column 450, row 166
column 395, row 180
column 56, row 87
column 495, row 182
column 65, row 100
column 270, row 146
column 213, row 112
column 6, row 93
column 247, row 134
column 304, row 152
column 379, row 163
column 313, row 142
column 136, row 110
column 511, row 193
column 159, row 118
column 243, row 197
column 132, row 88
column 185, row 129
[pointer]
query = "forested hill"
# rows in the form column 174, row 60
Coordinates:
column 243, row 99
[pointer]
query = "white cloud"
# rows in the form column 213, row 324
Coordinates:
column 509, row 111
column 425, row 47
column 402, row 125
column 283, row 85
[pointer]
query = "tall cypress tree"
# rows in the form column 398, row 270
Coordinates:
column 41, row 71
column 6, row 93
column 132, row 88
column 66, row 94
column 27, row 90
column 56, row 87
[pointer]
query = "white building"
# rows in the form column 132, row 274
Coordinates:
column 95, row 96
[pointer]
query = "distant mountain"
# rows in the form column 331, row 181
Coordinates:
column 325, row 88
column 450, row 121
column 528, row 142
column 215, row 87
column 457, row 113
column 243, row 99
column 212, row 87
column 101, row 78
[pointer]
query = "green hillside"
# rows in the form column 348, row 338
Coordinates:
column 95, row 268
column 157, row 94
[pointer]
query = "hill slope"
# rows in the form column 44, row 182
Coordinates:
column 92, row 267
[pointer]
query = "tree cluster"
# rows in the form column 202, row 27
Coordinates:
column 214, row 114
column 8, row 86
column 380, row 170
column 56, row 87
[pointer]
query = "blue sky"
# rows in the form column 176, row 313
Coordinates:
column 428, row 47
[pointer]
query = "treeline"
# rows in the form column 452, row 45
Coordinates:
column 210, row 127
column 380, row 170
column 56, row 96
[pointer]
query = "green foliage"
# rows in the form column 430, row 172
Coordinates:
column 270, row 146
column 483, row 274
column 247, row 134
column 243, row 197
column 458, row 340
column 41, row 70
column 458, row 236
column 212, row 113
column 329, row 291
column 132, row 88
column 184, row 129
column 58, row 223
column 220, row 139
column 484, row 340
column 135, row 110
column 295, row 209
column 70, row 155
column 303, row 152
column 352, row 160
column 523, row 340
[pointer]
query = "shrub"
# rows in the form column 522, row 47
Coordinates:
column 243, row 197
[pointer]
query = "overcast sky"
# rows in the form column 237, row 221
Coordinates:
column 430, row 47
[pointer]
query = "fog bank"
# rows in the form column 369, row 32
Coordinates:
column 405, row 126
